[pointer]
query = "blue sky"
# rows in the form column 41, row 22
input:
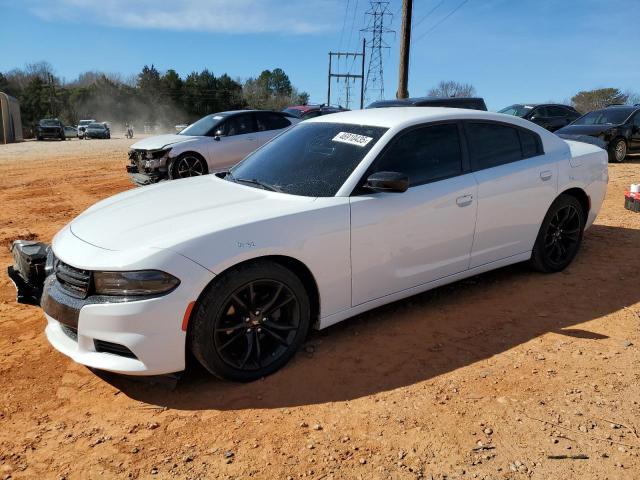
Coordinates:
column 510, row 50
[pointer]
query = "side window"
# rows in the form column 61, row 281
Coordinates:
column 530, row 144
column 271, row 121
column 636, row 120
column 557, row 112
column 424, row 154
column 492, row 144
column 540, row 112
column 239, row 124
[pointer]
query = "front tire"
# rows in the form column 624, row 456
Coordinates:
column 560, row 235
column 187, row 165
column 617, row 150
column 250, row 322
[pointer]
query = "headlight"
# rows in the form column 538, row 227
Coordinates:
column 142, row 282
column 49, row 266
column 151, row 154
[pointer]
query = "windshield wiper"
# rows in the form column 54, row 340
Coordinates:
column 252, row 181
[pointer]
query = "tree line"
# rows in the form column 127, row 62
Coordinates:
column 150, row 97
column 583, row 101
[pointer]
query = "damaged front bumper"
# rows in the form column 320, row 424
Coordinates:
column 33, row 262
column 147, row 167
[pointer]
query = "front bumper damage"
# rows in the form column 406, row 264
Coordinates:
column 29, row 270
column 148, row 167
column 134, row 337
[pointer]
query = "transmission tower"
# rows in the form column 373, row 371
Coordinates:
column 379, row 17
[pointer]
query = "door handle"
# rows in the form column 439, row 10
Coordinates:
column 546, row 175
column 464, row 200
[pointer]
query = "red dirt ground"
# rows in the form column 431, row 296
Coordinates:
column 487, row 378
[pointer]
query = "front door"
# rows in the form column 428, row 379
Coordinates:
column 236, row 140
column 634, row 144
column 403, row 240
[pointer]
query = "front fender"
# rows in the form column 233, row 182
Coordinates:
column 319, row 238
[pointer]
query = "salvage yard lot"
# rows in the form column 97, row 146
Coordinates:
column 486, row 378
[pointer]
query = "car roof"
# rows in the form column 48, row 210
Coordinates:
column 401, row 116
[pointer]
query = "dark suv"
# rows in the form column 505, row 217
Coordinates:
column 472, row 103
column 617, row 126
column 551, row 116
column 50, row 128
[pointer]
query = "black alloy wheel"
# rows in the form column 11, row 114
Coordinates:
column 258, row 325
column 250, row 321
column 560, row 235
column 188, row 165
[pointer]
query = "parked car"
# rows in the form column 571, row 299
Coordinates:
column 50, row 128
column 304, row 112
column 449, row 102
column 82, row 126
column 97, row 130
column 618, row 126
column 338, row 215
column 212, row 143
column 70, row 131
column 551, row 116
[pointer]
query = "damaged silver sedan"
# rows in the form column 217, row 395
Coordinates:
column 213, row 143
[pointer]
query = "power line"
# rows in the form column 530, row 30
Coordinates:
column 344, row 23
column 443, row 19
column 353, row 21
column 414, row 25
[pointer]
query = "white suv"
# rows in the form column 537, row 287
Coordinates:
column 82, row 127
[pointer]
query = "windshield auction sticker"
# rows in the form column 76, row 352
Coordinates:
column 352, row 139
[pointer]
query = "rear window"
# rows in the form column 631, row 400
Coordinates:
column 493, row 144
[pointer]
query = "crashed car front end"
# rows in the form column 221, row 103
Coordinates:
column 148, row 166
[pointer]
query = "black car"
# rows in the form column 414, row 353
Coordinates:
column 97, row 130
column 617, row 126
column 50, row 128
column 472, row 103
column 551, row 116
column 304, row 112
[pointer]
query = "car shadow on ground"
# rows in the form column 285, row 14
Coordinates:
column 430, row 334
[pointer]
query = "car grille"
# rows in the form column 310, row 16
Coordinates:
column 138, row 159
column 70, row 332
column 113, row 348
column 74, row 281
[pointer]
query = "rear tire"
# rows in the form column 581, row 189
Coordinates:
column 617, row 150
column 250, row 322
column 560, row 235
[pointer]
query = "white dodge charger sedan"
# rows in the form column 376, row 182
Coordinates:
column 338, row 215
column 214, row 142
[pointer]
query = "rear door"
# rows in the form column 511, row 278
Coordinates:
column 403, row 240
column 558, row 117
column 236, row 139
column 517, row 183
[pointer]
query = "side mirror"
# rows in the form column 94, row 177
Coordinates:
column 534, row 118
column 216, row 138
column 387, row 182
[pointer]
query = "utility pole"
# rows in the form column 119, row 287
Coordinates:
column 378, row 14
column 51, row 93
column 347, row 76
column 405, row 44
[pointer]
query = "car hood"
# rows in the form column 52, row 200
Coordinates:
column 593, row 130
column 161, row 141
column 166, row 214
